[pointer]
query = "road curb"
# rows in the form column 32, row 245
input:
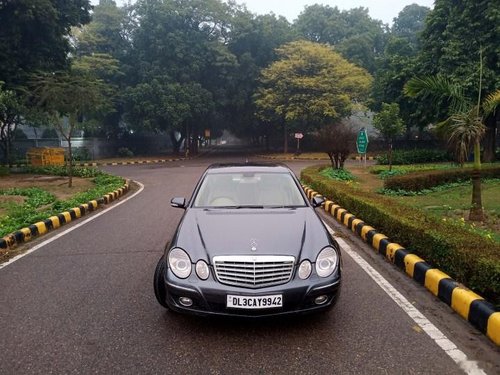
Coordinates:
column 99, row 164
column 469, row 305
column 305, row 158
column 40, row 228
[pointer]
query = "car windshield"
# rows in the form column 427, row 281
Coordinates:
column 248, row 190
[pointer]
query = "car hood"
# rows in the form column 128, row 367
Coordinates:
column 208, row 233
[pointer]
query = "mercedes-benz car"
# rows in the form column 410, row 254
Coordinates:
column 249, row 244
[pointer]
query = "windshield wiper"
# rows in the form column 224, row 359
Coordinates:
column 249, row 206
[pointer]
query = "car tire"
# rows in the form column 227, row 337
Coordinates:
column 159, row 283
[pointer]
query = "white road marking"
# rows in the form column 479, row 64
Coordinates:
column 459, row 357
column 59, row 235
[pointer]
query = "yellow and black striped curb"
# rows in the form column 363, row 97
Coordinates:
column 469, row 305
column 42, row 227
column 277, row 157
column 98, row 164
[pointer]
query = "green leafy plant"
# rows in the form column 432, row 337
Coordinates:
column 405, row 157
column 42, row 204
column 337, row 174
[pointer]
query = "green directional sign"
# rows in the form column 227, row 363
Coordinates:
column 362, row 141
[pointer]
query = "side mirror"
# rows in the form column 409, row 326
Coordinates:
column 317, row 201
column 178, row 202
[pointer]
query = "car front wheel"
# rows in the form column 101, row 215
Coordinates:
column 159, row 283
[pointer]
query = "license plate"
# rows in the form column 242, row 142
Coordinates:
column 250, row 302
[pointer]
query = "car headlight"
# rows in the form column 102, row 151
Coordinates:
column 202, row 270
column 179, row 262
column 305, row 269
column 326, row 262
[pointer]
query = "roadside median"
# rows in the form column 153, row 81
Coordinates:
column 406, row 227
column 37, row 229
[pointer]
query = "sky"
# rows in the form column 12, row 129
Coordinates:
column 384, row 10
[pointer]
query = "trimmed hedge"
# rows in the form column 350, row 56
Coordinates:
column 405, row 157
column 467, row 257
column 418, row 181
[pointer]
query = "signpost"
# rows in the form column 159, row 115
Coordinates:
column 362, row 143
column 298, row 137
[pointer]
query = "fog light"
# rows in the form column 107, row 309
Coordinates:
column 320, row 300
column 186, row 301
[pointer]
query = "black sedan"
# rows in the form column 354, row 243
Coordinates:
column 249, row 244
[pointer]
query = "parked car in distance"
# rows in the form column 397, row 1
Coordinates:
column 249, row 244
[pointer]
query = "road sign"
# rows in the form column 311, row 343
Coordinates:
column 299, row 135
column 362, row 141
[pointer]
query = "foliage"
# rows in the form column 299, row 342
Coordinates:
column 417, row 156
column 359, row 38
column 34, row 36
column 125, row 152
column 4, row 171
column 11, row 115
column 41, row 204
column 425, row 180
column 83, row 172
column 460, row 253
column 389, row 124
column 36, row 197
column 67, row 98
column 310, row 85
column 81, row 154
column 337, row 141
column 454, row 33
column 337, row 174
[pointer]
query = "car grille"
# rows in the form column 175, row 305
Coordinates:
column 253, row 271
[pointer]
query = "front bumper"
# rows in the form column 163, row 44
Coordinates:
column 210, row 297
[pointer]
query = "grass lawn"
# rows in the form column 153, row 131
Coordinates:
column 454, row 203
column 451, row 204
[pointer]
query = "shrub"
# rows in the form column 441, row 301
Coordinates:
column 404, row 157
column 4, row 171
column 125, row 152
column 467, row 257
column 419, row 181
column 81, row 154
column 61, row 170
column 337, row 174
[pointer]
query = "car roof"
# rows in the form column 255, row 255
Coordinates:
column 247, row 167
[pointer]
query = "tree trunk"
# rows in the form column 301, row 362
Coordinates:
column 70, row 163
column 390, row 156
column 176, row 144
column 330, row 155
column 489, row 141
column 476, row 211
column 285, row 138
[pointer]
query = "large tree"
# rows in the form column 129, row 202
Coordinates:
column 357, row 36
column 12, row 110
column 253, row 40
column 70, row 99
column 390, row 125
column 308, row 86
column 464, row 125
column 34, row 36
column 180, row 59
column 455, row 31
column 398, row 64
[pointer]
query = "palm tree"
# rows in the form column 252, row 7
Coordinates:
column 464, row 128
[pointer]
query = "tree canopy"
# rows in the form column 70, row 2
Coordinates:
column 34, row 36
column 309, row 85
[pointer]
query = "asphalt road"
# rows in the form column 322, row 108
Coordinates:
column 84, row 304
